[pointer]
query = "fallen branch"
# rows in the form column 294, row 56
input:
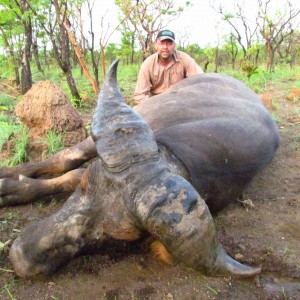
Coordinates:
column 5, row 84
column 8, row 95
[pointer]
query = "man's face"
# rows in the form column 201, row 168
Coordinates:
column 165, row 48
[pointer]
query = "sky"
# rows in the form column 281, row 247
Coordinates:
column 203, row 24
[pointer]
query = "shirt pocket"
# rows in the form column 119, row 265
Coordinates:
column 176, row 75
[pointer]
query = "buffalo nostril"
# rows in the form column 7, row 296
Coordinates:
column 189, row 204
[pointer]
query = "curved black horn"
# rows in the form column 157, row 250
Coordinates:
column 111, row 75
column 121, row 135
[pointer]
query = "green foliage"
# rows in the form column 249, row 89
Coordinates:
column 7, row 129
column 19, row 152
column 5, row 118
column 194, row 50
column 112, row 50
column 276, row 118
column 261, row 79
column 127, row 76
column 7, row 15
column 228, row 16
column 249, row 69
column 6, row 102
column 54, row 142
column 55, row 75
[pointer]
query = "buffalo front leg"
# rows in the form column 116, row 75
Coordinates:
column 63, row 161
column 26, row 189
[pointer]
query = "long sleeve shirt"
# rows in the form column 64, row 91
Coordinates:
column 154, row 78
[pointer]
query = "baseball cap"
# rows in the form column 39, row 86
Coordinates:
column 165, row 35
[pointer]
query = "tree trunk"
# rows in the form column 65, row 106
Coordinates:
column 103, row 60
column 62, row 53
column 17, row 75
column 217, row 59
column 269, row 56
column 36, row 57
column 95, row 66
column 45, row 57
column 26, row 76
column 256, row 57
column 72, row 85
column 132, row 48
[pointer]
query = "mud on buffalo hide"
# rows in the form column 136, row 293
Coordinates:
column 218, row 128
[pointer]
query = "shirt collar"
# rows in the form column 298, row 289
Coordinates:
column 175, row 56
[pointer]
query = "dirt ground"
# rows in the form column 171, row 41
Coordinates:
column 263, row 229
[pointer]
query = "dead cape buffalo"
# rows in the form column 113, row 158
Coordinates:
column 208, row 136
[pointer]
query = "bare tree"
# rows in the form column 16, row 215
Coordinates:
column 106, row 32
column 148, row 17
column 242, row 29
column 275, row 30
column 80, row 25
column 182, row 37
column 61, row 45
column 290, row 49
column 35, row 48
column 91, row 42
column 104, row 38
column 232, row 49
column 59, row 38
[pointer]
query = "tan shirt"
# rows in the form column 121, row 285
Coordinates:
column 155, row 79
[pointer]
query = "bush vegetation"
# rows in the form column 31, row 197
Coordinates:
column 11, row 129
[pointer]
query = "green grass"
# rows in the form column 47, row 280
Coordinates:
column 5, row 118
column 19, row 152
column 127, row 76
column 259, row 82
column 20, row 142
column 54, row 142
column 7, row 290
column 6, row 102
column 7, row 129
column 283, row 76
column 214, row 291
column 8, row 221
column 276, row 118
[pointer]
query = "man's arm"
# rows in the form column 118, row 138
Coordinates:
column 193, row 69
column 143, row 85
